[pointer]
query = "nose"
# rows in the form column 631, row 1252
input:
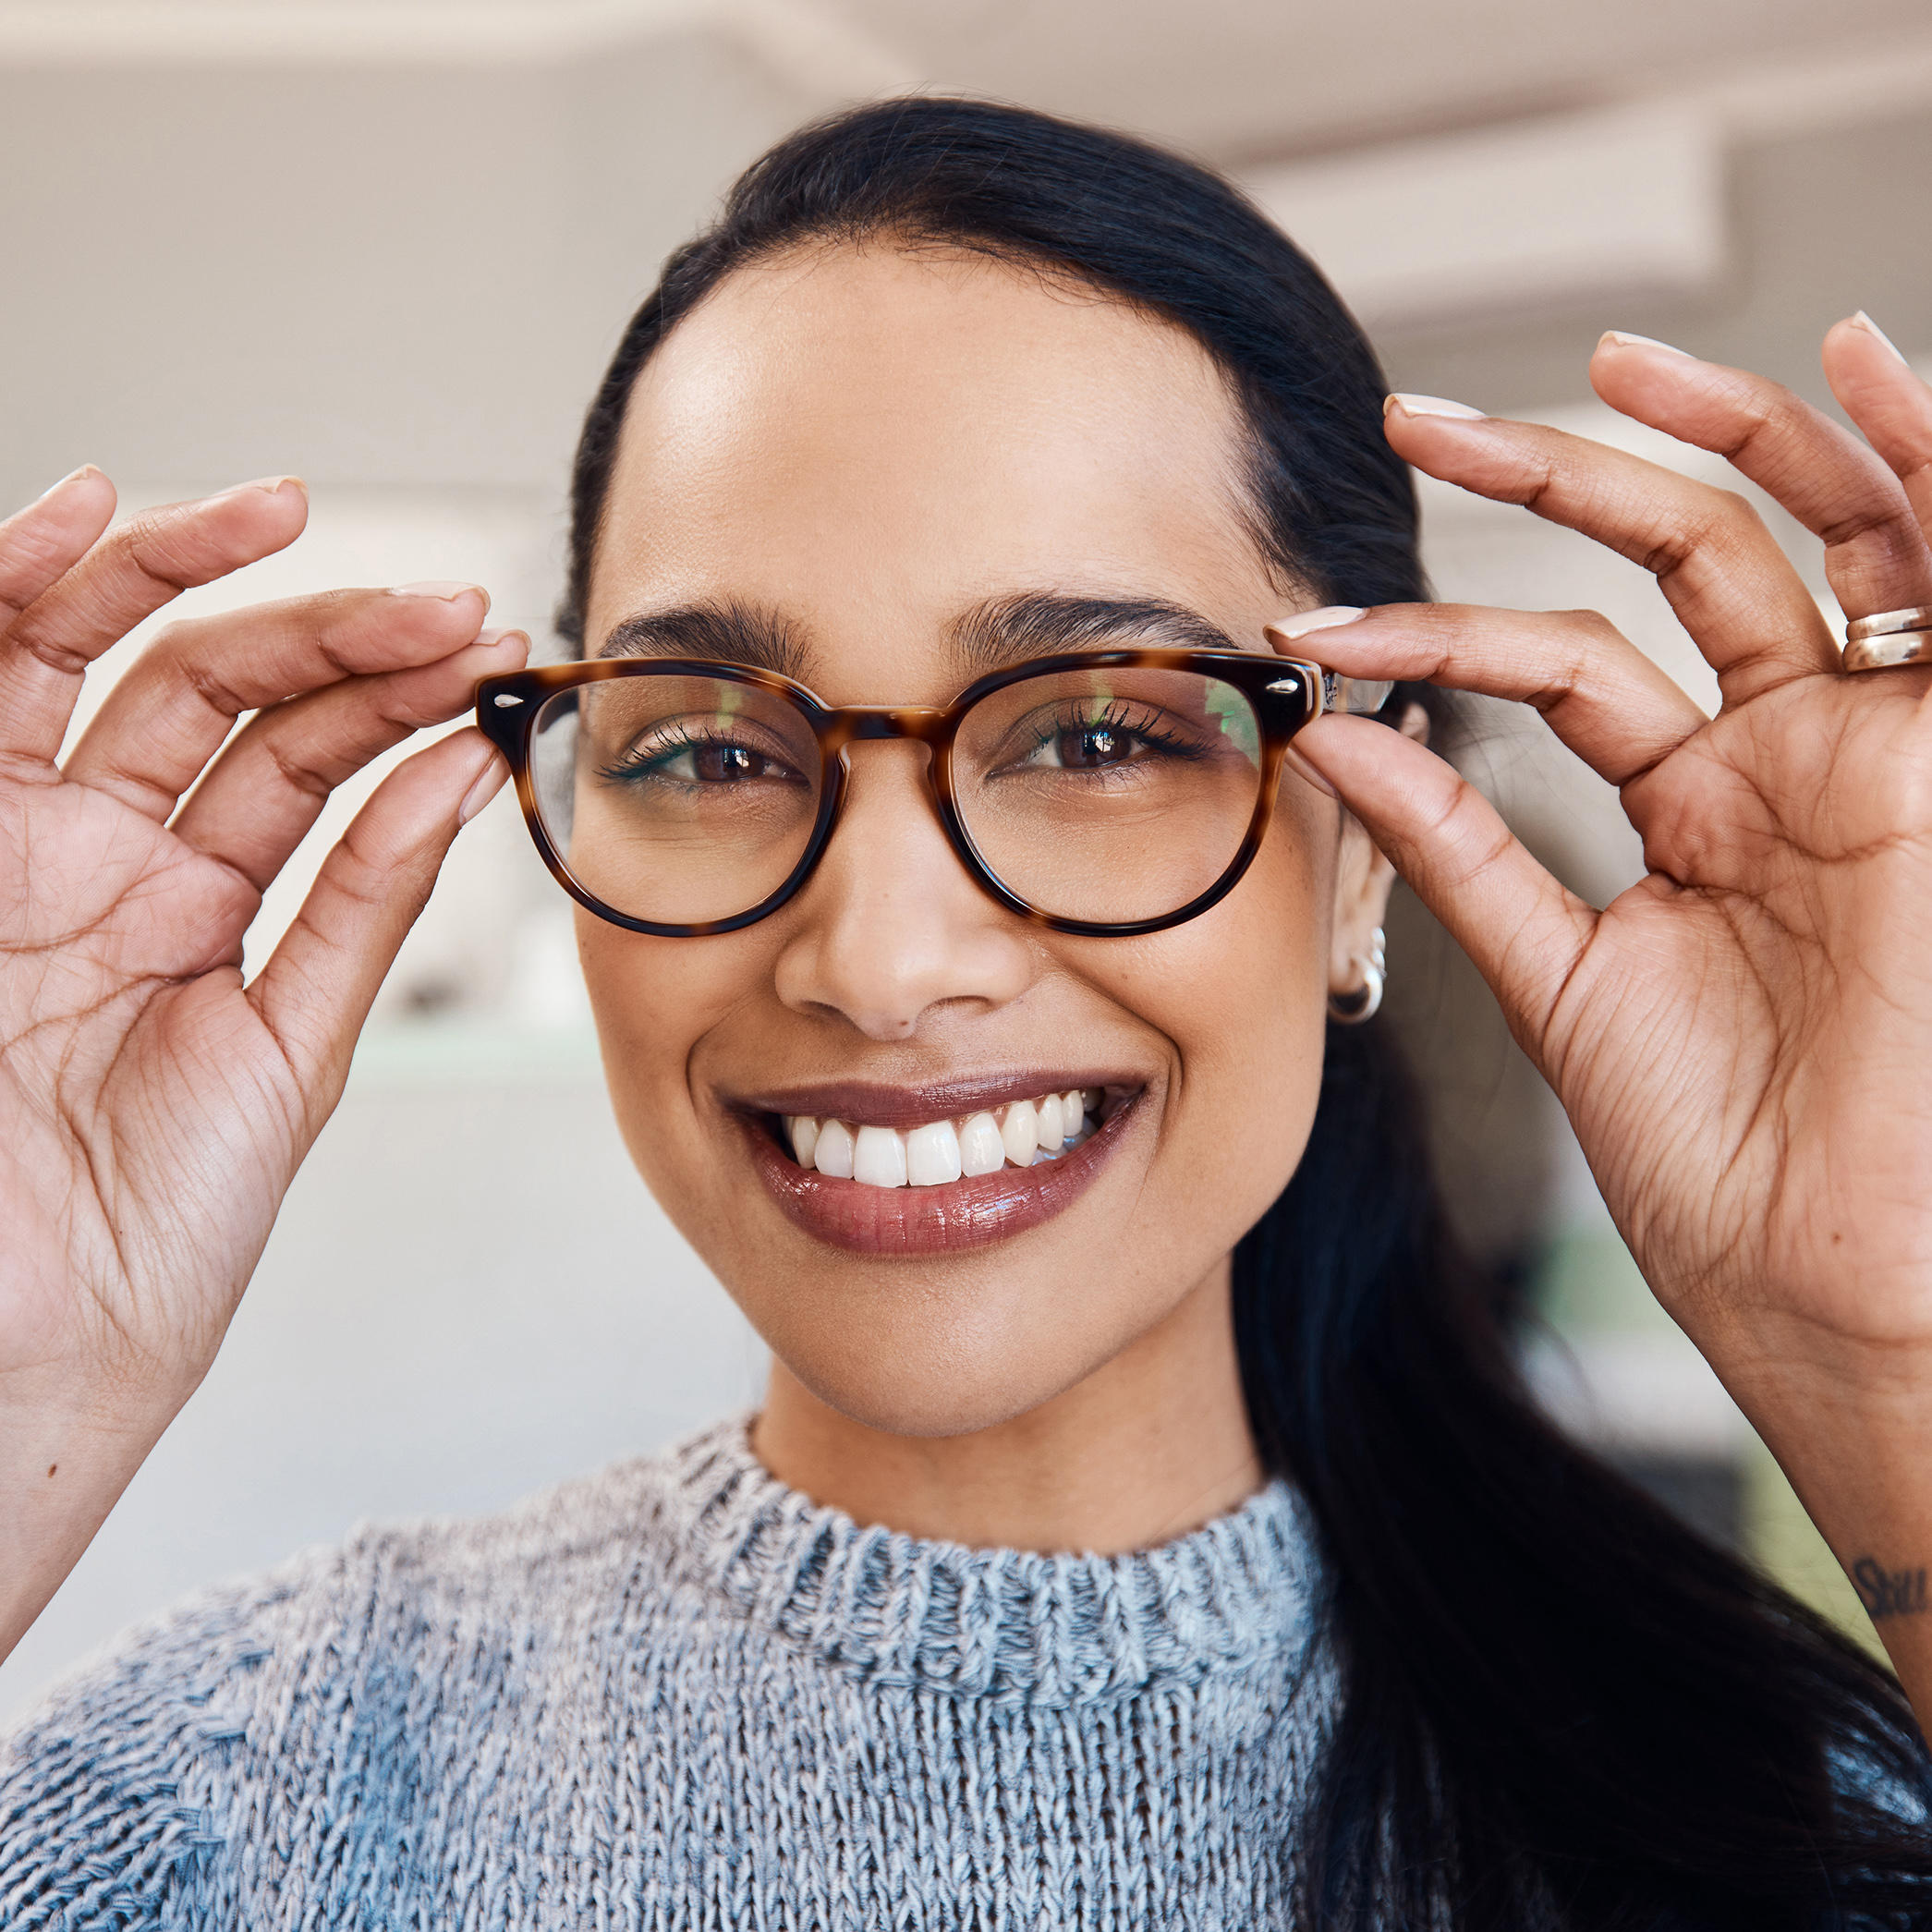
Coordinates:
column 892, row 930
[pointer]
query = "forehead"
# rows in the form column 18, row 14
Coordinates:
column 871, row 442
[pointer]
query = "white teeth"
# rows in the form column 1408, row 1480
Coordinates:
column 1020, row 1132
column 1021, row 1135
column 832, row 1154
column 932, row 1155
column 878, row 1157
column 980, row 1150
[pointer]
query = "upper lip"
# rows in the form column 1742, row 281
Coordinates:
column 872, row 1104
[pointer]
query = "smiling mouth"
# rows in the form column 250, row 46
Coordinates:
column 883, row 1170
column 936, row 1153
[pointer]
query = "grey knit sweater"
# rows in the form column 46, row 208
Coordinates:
column 679, row 1694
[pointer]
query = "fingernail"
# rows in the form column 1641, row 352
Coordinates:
column 1624, row 340
column 486, row 788
column 268, row 485
column 1863, row 321
column 1329, row 617
column 444, row 588
column 490, row 639
column 73, row 476
column 1432, row 406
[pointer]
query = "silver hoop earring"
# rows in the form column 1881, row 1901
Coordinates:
column 1350, row 1009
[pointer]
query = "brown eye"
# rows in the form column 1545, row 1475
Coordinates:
column 1095, row 745
column 721, row 764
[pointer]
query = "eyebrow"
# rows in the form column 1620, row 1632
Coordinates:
column 1034, row 624
column 733, row 633
column 991, row 634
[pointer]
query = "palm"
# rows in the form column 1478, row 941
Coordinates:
column 1742, row 1043
column 157, row 1124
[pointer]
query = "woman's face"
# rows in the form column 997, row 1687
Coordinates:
column 861, row 452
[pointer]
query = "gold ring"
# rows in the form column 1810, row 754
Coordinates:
column 1889, row 638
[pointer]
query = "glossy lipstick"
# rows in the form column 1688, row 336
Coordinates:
column 957, row 1215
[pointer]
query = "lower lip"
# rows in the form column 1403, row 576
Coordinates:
column 931, row 1221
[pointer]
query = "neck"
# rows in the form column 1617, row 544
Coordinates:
column 1152, row 1444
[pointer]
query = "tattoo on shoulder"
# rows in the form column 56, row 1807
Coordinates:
column 1889, row 1593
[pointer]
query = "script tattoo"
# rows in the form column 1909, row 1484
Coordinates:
column 1889, row 1593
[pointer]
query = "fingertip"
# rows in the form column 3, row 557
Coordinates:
column 509, row 648
column 1866, row 328
column 1335, row 741
column 83, row 501
column 279, row 502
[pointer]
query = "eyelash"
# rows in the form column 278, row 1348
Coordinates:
column 634, row 766
column 1115, row 719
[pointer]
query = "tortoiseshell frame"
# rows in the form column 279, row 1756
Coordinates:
column 1286, row 692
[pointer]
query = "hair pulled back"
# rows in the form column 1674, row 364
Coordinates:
column 1558, row 1707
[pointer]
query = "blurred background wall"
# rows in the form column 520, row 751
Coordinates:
column 388, row 244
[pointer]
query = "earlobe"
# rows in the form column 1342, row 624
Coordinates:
column 1364, row 878
column 1350, row 1008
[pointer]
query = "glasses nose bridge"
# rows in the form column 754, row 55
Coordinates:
column 870, row 723
column 926, row 725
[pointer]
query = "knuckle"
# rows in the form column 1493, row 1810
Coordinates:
column 1465, row 831
column 1717, row 520
column 299, row 774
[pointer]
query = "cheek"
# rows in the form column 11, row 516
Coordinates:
column 1241, row 994
column 654, row 999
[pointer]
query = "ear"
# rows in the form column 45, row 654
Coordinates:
column 1363, row 879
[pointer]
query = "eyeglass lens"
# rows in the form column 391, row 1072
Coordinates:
column 1110, row 796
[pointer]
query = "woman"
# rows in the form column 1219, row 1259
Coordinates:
column 1143, row 1529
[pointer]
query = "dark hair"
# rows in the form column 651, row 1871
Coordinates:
column 1559, row 1708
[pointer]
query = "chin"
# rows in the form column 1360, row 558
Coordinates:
column 970, row 1355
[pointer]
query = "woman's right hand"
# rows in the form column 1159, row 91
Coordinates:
column 153, row 1109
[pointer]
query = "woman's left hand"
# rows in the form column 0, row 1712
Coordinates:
column 1744, row 1039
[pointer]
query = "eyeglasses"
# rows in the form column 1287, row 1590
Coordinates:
column 1103, row 792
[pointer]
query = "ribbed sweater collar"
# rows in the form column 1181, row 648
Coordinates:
column 1005, row 1624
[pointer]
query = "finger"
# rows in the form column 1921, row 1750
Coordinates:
column 38, row 546
column 165, row 719
column 1878, row 390
column 40, row 543
column 1598, row 692
column 317, row 988
column 1840, row 489
column 127, row 576
column 1732, row 588
column 262, row 795
column 1525, row 931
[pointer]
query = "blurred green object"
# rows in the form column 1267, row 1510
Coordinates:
column 1784, row 1543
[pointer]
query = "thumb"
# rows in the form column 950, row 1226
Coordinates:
column 320, row 982
column 1523, row 928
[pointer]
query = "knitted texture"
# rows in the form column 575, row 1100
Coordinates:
column 680, row 1694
